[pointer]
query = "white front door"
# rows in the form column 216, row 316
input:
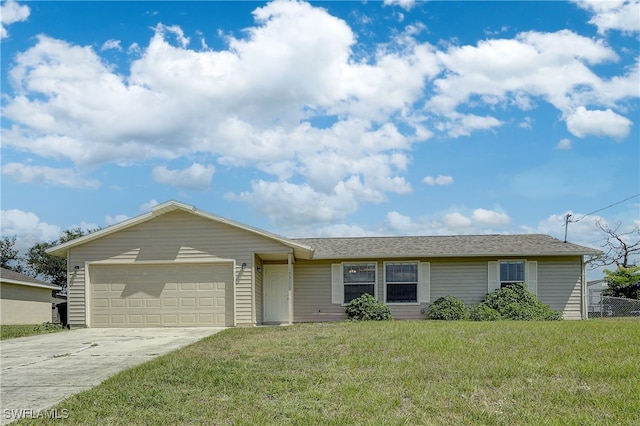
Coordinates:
column 276, row 293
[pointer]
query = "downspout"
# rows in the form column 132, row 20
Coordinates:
column 583, row 290
column 290, row 290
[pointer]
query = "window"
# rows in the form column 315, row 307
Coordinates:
column 511, row 273
column 401, row 281
column 358, row 279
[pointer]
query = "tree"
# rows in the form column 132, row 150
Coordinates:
column 47, row 267
column 623, row 282
column 621, row 248
column 10, row 258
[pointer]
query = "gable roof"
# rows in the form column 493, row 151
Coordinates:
column 445, row 246
column 12, row 277
column 299, row 249
column 369, row 247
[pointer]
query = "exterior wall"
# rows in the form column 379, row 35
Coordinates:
column 559, row 282
column 466, row 279
column 312, row 293
column 172, row 237
column 24, row 305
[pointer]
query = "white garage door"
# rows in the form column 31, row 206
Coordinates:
column 161, row 295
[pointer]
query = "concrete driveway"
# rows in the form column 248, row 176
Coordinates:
column 40, row 371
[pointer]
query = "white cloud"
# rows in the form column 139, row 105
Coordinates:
column 554, row 67
column 526, row 124
column 25, row 173
column 583, row 122
column 564, row 144
column 456, row 125
column 252, row 104
column 439, row 180
column 196, row 177
column 298, row 204
column 27, row 227
column 619, row 15
column 111, row 44
column 112, row 220
column 146, row 207
column 490, row 217
column 10, row 13
column 405, row 4
column 456, row 220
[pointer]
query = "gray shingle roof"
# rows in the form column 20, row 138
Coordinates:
column 7, row 275
column 449, row 246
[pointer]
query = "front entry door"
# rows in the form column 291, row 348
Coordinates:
column 276, row 293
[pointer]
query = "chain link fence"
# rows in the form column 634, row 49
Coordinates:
column 608, row 307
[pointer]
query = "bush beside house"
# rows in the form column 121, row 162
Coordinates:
column 512, row 302
column 366, row 307
column 448, row 308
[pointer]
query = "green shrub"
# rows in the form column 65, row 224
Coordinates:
column 366, row 307
column 514, row 302
column 483, row 312
column 448, row 308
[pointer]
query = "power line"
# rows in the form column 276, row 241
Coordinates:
column 604, row 208
column 568, row 220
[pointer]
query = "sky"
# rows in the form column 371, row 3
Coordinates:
column 323, row 119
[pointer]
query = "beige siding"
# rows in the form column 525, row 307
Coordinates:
column 24, row 305
column 558, row 282
column 312, row 294
column 465, row 279
column 171, row 237
column 559, row 285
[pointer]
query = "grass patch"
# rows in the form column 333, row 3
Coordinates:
column 13, row 331
column 400, row 372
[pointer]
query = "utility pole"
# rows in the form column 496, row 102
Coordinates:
column 566, row 225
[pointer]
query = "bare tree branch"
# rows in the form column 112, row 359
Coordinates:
column 620, row 248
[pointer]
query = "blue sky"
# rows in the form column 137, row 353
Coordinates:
column 323, row 118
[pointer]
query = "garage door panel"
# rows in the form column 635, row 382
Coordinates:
column 117, row 286
column 134, row 303
column 117, row 303
column 152, row 303
column 101, row 303
column 137, row 296
column 170, row 302
column 187, row 302
column 205, row 301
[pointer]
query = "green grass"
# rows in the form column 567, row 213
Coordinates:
column 397, row 373
column 12, row 331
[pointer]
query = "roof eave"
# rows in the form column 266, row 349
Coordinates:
column 450, row 255
column 61, row 249
column 28, row 284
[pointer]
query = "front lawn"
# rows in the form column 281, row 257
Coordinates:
column 12, row 331
column 397, row 372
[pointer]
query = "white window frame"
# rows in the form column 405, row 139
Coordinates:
column 530, row 274
column 338, row 284
column 418, row 298
column 506, row 282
